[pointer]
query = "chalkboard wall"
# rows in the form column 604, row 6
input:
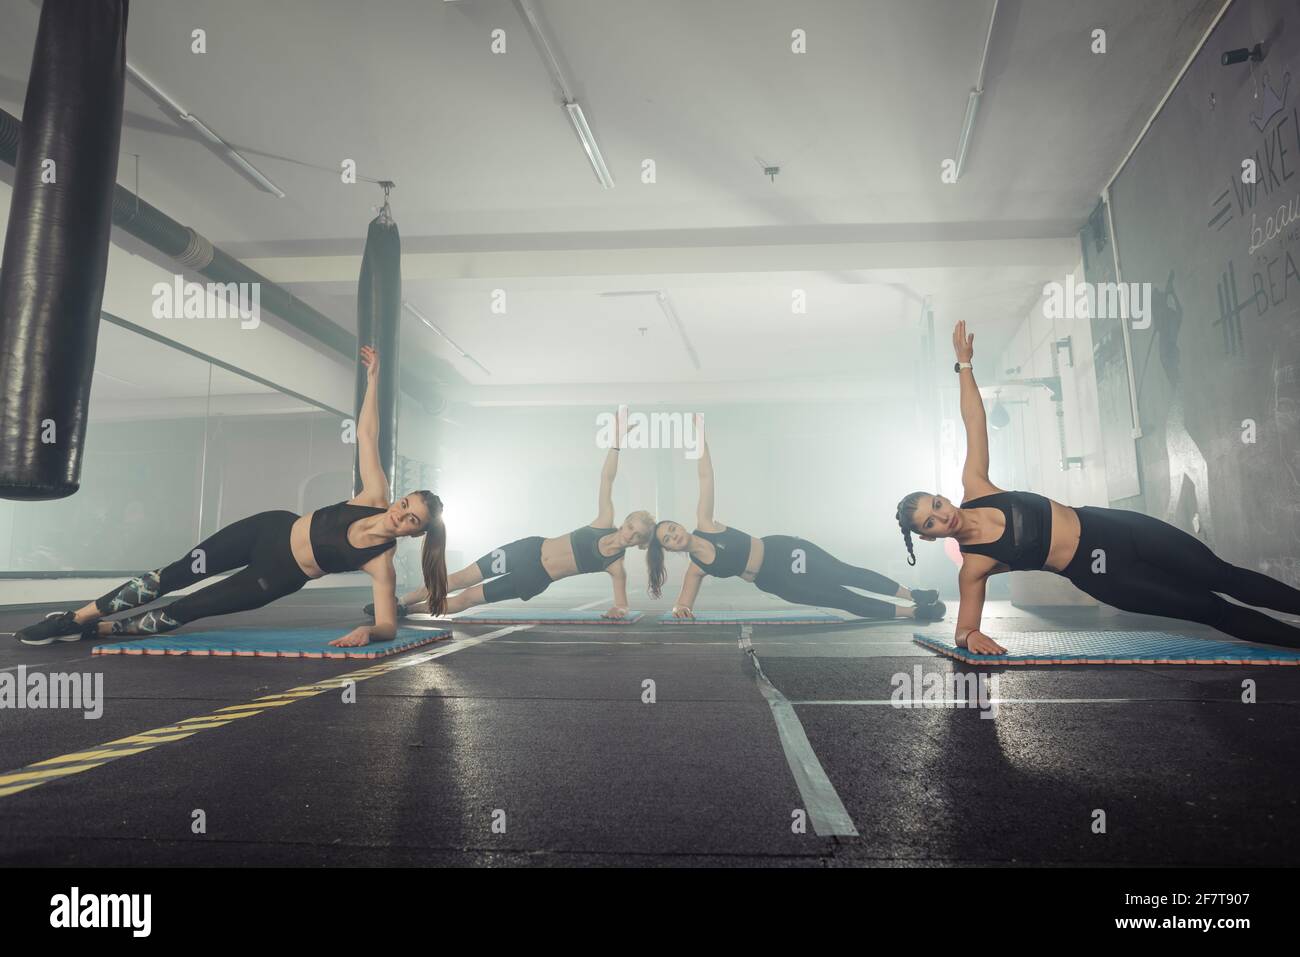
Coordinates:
column 1217, row 369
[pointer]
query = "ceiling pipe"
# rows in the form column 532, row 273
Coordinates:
column 192, row 251
column 450, row 341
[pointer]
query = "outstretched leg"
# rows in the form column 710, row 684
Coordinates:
column 830, row 568
column 466, row 599
column 511, row 572
column 824, row 594
column 1147, row 589
column 245, row 590
column 223, row 551
column 418, row 600
column 227, row 549
column 1188, row 558
column 803, row 574
column 467, row 576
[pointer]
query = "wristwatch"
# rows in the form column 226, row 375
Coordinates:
column 958, row 366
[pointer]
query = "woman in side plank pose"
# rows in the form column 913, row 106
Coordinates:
column 278, row 552
column 526, row 567
column 1126, row 559
column 791, row 568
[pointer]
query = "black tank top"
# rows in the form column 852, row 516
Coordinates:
column 329, row 537
column 1028, row 536
column 731, row 552
column 585, row 542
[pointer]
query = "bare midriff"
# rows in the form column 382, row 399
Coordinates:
column 300, row 544
column 1065, row 537
column 557, row 558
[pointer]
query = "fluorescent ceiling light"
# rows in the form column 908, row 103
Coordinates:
column 224, row 149
column 973, row 99
column 451, row 342
column 590, row 145
column 670, row 313
column 571, row 105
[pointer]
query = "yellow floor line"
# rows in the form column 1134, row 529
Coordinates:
column 91, row 755
column 37, row 773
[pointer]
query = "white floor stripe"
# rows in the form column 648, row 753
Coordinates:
column 591, row 604
column 459, row 644
column 824, row 807
column 935, row 702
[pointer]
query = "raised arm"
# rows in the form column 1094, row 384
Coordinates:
column 609, row 472
column 975, row 473
column 704, row 510
column 605, row 500
column 374, row 483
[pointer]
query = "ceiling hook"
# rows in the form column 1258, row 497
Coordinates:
column 386, row 211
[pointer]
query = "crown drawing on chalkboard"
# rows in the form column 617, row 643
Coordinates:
column 1273, row 103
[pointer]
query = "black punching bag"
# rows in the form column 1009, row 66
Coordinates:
column 56, row 245
column 379, row 315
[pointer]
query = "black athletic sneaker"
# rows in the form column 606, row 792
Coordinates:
column 924, row 596
column 931, row 612
column 57, row 626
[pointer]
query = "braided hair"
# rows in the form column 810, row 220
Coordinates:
column 906, row 509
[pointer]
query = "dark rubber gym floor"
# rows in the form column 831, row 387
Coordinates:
column 545, row 730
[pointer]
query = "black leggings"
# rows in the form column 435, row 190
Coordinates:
column 801, row 573
column 516, row 571
column 260, row 542
column 1140, row 564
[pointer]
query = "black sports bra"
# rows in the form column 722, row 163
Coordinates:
column 730, row 552
column 1027, row 539
column 585, row 542
column 329, row 537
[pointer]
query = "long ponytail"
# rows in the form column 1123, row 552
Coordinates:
column 433, row 556
column 654, row 562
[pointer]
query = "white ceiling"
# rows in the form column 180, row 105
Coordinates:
column 494, row 192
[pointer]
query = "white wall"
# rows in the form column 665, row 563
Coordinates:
column 1031, row 441
column 1033, row 429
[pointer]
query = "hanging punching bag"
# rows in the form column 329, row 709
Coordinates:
column 379, row 315
column 56, row 244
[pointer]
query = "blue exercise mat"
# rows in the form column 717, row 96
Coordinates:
column 756, row 618
column 524, row 616
column 270, row 643
column 1114, row 648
